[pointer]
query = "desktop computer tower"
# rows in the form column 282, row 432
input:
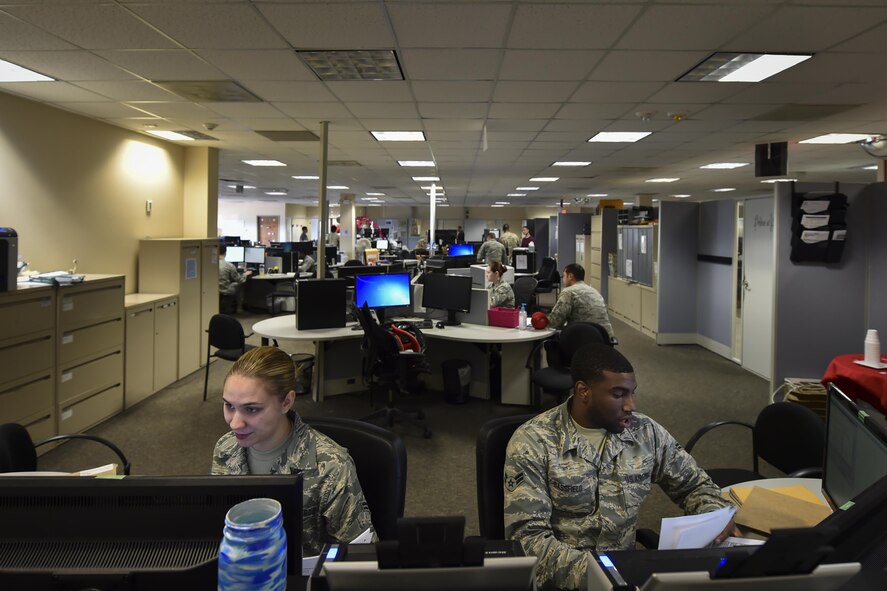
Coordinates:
column 8, row 259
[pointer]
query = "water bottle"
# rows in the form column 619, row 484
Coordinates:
column 872, row 348
column 261, row 270
column 252, row 555
column 522, row 317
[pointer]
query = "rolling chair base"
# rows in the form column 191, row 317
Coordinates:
column 394, row 415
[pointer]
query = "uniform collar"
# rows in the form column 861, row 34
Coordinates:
column 572, row 440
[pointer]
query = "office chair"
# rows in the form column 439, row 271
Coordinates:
column 18, row 452
column 380, row 459
column 352, row 263
column 277, row 299
column 387, row 367
column 548, row 277
column 786, row 435
column 226, row 335
column 559, row 349
column 492, row 442
column 525, row 293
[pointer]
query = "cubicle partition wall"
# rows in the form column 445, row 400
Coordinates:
column 678, row 232
column 541, row 233
column 876, row 194
column 552, row 237
column 569, row 226
column 714, row 279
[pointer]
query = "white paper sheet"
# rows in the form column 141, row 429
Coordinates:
column 693, row 531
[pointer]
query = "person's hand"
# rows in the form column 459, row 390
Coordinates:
column 730, row 530
column 248, row 272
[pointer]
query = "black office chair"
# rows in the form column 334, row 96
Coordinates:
column 381, row 462
column 352, row 263
column 525, row 293
column 492, row 441
column 277, row 299
column 786, row 435
column 548, row 278
column 559, row 349
column 18, row 452
column 386, row 367
column 226, row 335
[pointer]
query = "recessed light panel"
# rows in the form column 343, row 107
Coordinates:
column 10, row 72
column 306, row 177
column 663, row 180
column 681, row 196
column 496, row 205
column 572, row 163
column 337, row 187
column 426, row 179
column 872, row 167
column 544, row 179
column 837, row 138
column 724, row 165
column 724, row 189
column 620, row 136
column 416, row 163
column 353, row 65
column 771, row 181
column 276, row 192
column 263, row 162
column 516, row 195
column 170, row 135
column 375, row 194
column 399, row 136
column 597, row 195
column 742, row 67
column 526, row 188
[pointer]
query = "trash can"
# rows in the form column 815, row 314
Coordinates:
column 304, row 363
column 456, row 380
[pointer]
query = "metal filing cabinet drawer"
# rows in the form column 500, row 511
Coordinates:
column 83, row 307
column 26, row 358
column 26, row 400
column 41, row 429
column 86, row 413
column 80, row 343
column 26, row 317
column 82, row 380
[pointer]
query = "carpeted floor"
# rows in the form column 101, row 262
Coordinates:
column 682, row 387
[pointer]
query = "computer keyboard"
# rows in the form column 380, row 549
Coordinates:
column 425, row 324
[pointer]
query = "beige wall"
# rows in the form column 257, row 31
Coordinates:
column 201, row 192
column 76, row 188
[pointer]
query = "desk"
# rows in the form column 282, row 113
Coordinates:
column 859, row 381
column 502, row 348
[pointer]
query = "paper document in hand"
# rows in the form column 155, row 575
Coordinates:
column 365, row 537
column 693, row 531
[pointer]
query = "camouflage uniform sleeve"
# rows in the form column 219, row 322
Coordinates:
column 527, row 517
column 682, row 479
column 561, row 310
column 481, row 252
column 502, row 295
column 343, row 505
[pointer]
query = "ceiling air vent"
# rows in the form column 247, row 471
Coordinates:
column 380, row 64
column 289, row 136
column 196, row 135
column 209, row 91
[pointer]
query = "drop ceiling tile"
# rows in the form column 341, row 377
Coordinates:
column 454, row 124
column 130, row 90
column 777, row 92
column 523, row 110
column 646, row 66
column 734, row 111
column 290, row 91
column 371, row 91
column 259, row 64
column 241, row 110
column 335, row 123
column 308, row 25
column 592, row 111
column 452, row 110
column 313, row 110
column 574, row 124
column 457, row 92
column 180, row 110
column 691, row 27
column 446, row 138
column 575, row 136
column 511, row 136
column 696, row 92
column 449, row 64
column 475, row 24
column 51, row 92
column 18, row 35
column 163, row 65
column 522, row 64
column 516, row 124
column 103, row 111
column 608, row 92
column 390, row 110
column 537, row 92
column 824, row 68
column 70, row 66
column 391, row 124
column 569, row 26
column 99, row 26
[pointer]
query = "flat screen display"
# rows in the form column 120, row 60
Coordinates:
column 855, row 449
column 234, row 254
column 254, row 254
column 447, row 292
column 382, row 244
column 382, row 291
column 458, row 250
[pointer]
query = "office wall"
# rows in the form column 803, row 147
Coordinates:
column 714, row 272
column 201, row 197
column 77, row 188
column 238, row 218
column 678, row 238
column 876, row 195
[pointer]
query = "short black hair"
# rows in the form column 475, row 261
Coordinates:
column 504, row 227
column 576, row 270
column 223, row 248
column 591, row 361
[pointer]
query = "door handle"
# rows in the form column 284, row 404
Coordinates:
column 745, row 285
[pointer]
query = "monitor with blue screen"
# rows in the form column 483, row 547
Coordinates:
column 254, row 255
column 234, row 254
column 457, row 250
column 381, row 292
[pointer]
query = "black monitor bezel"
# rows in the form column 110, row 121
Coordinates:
column 450, row 305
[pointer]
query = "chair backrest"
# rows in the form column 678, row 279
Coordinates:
column 225, row 332
column 524, row 287
column 547, row 270
column 352, row 263
column 382, row 350
column 577, row 334
column 789, row 437
column 492, row 440
column 17, row 452
column 381, row 462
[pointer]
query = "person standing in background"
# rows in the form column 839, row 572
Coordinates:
column 460, row 235
column 491, row 250
column 509, row 240
column 526, row 237
column 303, row 237
column 332, row 239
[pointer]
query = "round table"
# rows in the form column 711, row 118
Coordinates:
column 859, row 381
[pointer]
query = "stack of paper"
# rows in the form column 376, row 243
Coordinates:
column 764, row 510
column 693, row 531
column 739, row 494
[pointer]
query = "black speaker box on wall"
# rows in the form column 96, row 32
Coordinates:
column 771, row 159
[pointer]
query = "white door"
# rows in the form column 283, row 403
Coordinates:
column 757, row 286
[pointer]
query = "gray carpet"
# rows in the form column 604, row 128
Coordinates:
column 682, row 387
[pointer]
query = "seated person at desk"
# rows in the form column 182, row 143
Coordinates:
column 576, row 475
column 230, row 280
column 268, row 437
column 501, row 294
column 303, row 237
column 307, row 265
column 491, row 250
column 360, row 249
column 579, row 302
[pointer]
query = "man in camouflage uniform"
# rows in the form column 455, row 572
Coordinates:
column 491, row 250
column 579, row 302
column 576, row 475
column 333, row 506
column 509, row 240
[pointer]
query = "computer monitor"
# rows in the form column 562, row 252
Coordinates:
column 254, row 255
column 381, row 244
column 303, row 248
column 861, row 525
column 381, row 292
column 229, row 240
column 447, row 292
column 457, row 250
column 349, row 272
column 855, row 449
column 234, row 254
column 136, row 533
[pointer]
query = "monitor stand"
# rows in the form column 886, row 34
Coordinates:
column 451, row 318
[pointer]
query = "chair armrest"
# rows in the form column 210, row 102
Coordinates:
column 812, row 472
column 647, row 538
column 102, row 440
column 698, row 435
column 614, row 341
column 533, row 353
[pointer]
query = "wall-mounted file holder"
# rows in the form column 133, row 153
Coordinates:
column 819, row 227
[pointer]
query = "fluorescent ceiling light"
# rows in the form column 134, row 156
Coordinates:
column 837, row 138
column 526, row 188
column 620, row 136
column 571, row 163
column 277, row 192
column 629, row 203
column 417, row 163
column 872, row 167
column 263, row 162
column 516, row 195
column 503, row 203
column 428, row 188
column 597, row 195
column 12, row 73
column 663, row 180
column 681, row 196
column 724, row 165
column 497, row 205
column 241, row 186
column 771, row 181
column 375, row 194
column 170, row 135
column 742, row 67
column 399, row 136
column 544, row 179
column 426, row 179
column 306, row 177
column 372, row 64
column 337, row 187
column 724, row 189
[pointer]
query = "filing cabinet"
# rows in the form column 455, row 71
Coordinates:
column 151, row 344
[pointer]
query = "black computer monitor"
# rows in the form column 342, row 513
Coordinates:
column 254, row 255
column 381, row 292
column 447, row 292
column 349, row 272
column 855, row 449
column 136, row 533
column 303, row 248
column 234, row 254
column 230, row 240
column 861, row 525
column 457, row 250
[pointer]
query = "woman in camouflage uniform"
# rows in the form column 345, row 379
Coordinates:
column 501, row 294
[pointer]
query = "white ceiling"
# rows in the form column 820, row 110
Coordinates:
column 539, row 77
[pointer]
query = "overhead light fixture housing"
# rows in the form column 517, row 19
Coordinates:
column 872, row 167
column 277, row 192
column 526, row 188
column 597, row 195
column 337, row 65
column 619, row 136
column 10, row 72
column 785, row 180
column 544, row 179
column 742, row 67
column 572, row 163
column 263, row 162
column 497, row 205
column 662, row 180
column 399, row 136
column 839, row 138
column 416, row 163
column 724, row 189
column 724, row 165
column 375, row 194
column 337, row 187
column 516, row 195
column 170, row 135
column 306, row 177
column 681, row 196
column 426, row 179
